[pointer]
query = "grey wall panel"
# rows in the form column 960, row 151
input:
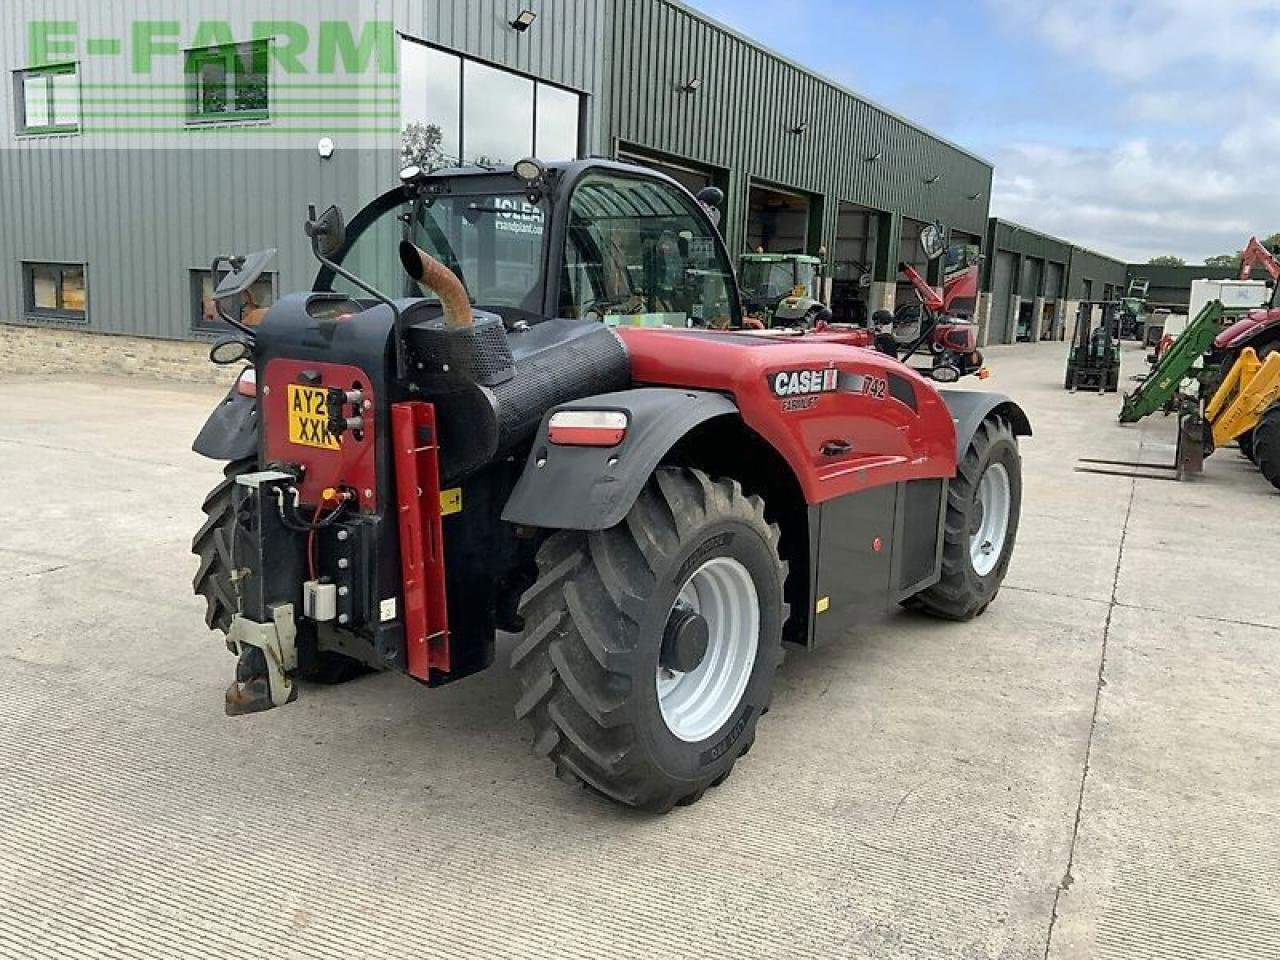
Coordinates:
column 145, row 208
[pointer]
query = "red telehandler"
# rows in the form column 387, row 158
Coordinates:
column 523, row 399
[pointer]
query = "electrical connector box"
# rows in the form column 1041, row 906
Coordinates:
column 320, row 601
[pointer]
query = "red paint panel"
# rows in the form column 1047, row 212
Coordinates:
column 417, row 460
column 352, row 465
column 889, row 442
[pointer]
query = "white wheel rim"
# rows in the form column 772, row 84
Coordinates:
column 696, row 704
column 986, row 545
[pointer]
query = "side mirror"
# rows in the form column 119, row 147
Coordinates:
column 712, row 197
column 328, row 232
column 711, row 200
column 228, row 350
column 242, row 273
column 864, row 281
column 932, row 242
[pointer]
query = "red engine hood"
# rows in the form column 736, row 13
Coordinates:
column 960, row 286
column 896, row 425
column 1241, row 330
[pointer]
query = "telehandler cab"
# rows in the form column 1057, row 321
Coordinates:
column 552, row 423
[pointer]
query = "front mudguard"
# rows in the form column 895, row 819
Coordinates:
column 231, row 432
column 970, row 407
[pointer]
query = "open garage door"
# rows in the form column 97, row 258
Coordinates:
column 690, row 177
column 1054, row 325
column 852, row 260
column 777, row 220
column 999, row 329
column 909, row 252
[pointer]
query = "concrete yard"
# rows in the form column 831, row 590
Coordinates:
column 1090, row 770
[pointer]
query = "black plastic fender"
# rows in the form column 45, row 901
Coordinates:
column 231, row 432
column 593, row 488
column 970, row 407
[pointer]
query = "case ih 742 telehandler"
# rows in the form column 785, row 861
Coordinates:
column 561, row 430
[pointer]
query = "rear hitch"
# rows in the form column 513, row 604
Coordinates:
column 268, row 654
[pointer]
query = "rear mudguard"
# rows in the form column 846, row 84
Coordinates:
column 593, row 488
column 231, row 432
column 970, row 407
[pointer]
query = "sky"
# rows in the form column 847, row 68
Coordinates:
column 1132, row 127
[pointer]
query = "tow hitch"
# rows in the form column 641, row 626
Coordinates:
column 270, row 568
column 268, row 654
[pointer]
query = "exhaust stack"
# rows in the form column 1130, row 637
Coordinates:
column 435, row 276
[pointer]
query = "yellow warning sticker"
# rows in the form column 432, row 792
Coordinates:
column 450, row 502
column 824, row 604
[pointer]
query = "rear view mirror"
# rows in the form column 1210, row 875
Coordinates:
column 932, row 242
column 328, row 232
column 228, row 350
column 242, row 272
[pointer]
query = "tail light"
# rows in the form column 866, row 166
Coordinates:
column 587, row 428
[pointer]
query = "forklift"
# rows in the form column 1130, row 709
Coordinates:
column 1094, row 360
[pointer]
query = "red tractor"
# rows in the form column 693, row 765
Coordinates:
column 523, row 399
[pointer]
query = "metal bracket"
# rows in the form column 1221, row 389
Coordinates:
column 278, row 642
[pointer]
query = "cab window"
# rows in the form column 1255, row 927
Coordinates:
column 639, row 253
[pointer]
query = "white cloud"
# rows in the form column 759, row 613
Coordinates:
column 1197, row 86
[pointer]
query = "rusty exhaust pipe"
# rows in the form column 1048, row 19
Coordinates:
column 435, row 276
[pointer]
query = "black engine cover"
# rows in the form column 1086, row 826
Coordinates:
column 550, row 363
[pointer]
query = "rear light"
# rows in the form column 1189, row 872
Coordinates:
column 587, row 428
column 247, row 385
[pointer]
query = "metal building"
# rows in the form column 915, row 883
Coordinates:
column 120, row 185
column 1033, row 282
column 1170, row 286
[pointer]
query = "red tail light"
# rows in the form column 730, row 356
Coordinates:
column 587, row 428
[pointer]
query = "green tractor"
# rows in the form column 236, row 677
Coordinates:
column 783, row 289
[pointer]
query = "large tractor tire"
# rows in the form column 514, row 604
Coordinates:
column 984, row 503
column 650, row 649
column 1245, row 443
column 212, row 544
column 1266, row 445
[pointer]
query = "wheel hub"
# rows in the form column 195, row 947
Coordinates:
column 685, row 640
column 708, row 652
column 989, row 527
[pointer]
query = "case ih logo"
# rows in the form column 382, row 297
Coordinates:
column 802, row 383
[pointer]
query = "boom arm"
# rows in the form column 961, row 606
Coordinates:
column 927, row 293
column 1255, row 254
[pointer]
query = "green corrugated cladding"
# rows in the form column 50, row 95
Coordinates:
column 1079, row 264
column 1172, row 285
column 1096, row 268
column 739, row 123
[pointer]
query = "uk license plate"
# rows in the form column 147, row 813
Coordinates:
column 309, row 418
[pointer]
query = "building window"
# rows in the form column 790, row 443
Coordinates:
column 228, row 83
column 48, row 99
column 460, row 111
column 55, row 291
column 252, row 307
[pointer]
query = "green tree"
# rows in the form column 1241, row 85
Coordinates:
column 1167, row 260
column 1233, row 259
column 420, row 146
